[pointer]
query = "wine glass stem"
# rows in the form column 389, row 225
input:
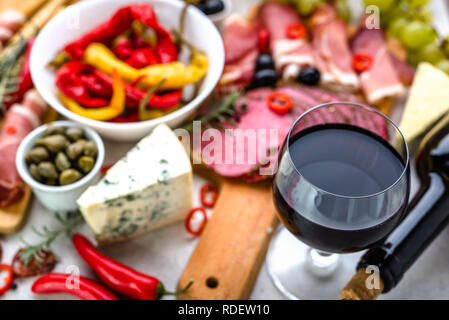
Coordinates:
column 320, row 263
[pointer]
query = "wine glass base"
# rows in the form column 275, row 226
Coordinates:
column 292, row 273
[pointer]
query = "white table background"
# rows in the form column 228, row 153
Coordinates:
column 164, row 253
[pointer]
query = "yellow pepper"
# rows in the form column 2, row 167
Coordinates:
column 116, row 107
column 176, row 74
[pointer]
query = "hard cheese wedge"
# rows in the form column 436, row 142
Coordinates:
column 427, row 102
column 147, row 189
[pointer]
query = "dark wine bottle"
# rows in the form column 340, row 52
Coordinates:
column 427, row 214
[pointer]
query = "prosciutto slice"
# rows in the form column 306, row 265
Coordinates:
column 331, row 50
column 240, row 37
column 290, row 55
column 251, row 145
column 20, row 120
column 381, row 80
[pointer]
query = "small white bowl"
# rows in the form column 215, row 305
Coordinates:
column 81, row 17
column 59, row 198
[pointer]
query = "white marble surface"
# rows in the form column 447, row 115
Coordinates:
column 164, row 253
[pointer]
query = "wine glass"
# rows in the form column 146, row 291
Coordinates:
column 342, row 185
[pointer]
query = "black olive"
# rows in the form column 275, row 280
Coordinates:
column 264, row 61
column 265, row 78
column 211, row 6
column 309, row 76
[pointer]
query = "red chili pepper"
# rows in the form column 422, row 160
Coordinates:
column 134, row 95
column 296, row 31
column 126, row 117
column 121, row 21
column 188, row 223
column 95, row 86
column 7, row 276
column 208, row 189
column 104, row 169
column 141, row 58
column 279, row 102
column 119, row 277
column 11, row 130
column 25, row 82
column 83, row 288
column 362, row 62
column 69, row 82
column 263, row 39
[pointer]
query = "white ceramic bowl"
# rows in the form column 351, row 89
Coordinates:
column 59, row 198
column 219, row 18
column 78, row 19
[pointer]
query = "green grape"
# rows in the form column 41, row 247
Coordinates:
column 343, row 10
column 383, row 5
column 417, row 34
column 443, row 65
column 306, row 7
column 423, row 14
column 431, row 53
column 397, row 26
column 417, row 3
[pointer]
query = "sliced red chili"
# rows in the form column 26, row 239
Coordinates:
column 11, row 130
column 104, row 169
column 263, row 39
column 279, row 102
column 189, row 219
column 296, row 31
column 6, row 278
column 209, row 195
column 362, row 62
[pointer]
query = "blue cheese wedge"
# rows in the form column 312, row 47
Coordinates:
column 149, row 188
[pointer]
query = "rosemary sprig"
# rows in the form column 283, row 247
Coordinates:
column 215, row 116
column 10, row 67
column 68, row 224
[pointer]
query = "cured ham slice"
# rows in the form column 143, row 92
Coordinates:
column 10, row 22
column 241, row 151
column 290, row 55
column 331, row 50
column 240, row 38
column 381, row 79
column 19, row 121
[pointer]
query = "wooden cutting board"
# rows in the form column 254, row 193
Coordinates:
column 38, row 12
column 232, row 247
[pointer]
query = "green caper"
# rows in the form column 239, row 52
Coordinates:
column 86, row 163
column 62, row 162
column 69, row 176
column 75, row 149
column 74, row 133
column 54, row 143
column 37, row 155
column 47, row 170
column 52, row 130
column 34, row 172
column 90, row 149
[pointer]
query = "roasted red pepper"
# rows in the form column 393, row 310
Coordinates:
column 81, row 287
column 119, row 277
column 165, row 49
column 164, row 101
column 7, row 278
column 68, row 80
column 141, row 58
column 188, row 223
